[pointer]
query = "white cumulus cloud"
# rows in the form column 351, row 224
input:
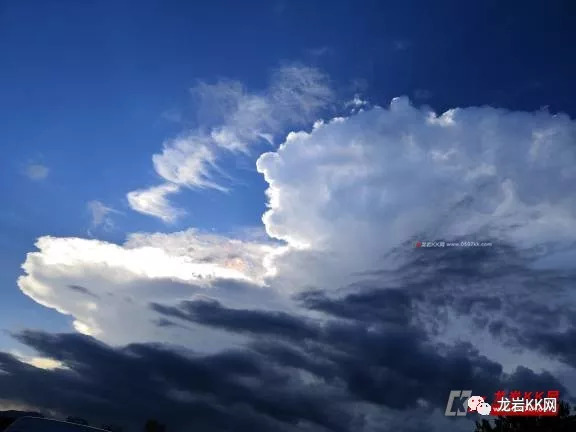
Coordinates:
column 355, row 188
column 108, row 288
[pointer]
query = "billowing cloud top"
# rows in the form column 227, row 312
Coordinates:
column 361, row 186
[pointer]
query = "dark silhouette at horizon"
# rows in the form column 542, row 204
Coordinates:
column 10, row 416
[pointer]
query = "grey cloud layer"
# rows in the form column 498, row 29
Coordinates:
column 294, row 374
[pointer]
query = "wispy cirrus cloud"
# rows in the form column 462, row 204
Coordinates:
column 231, row 120
column 154, row 202
column 100, row 215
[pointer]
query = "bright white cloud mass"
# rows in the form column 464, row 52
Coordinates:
column 358, row 187
column 346, row 200
column 341, row 197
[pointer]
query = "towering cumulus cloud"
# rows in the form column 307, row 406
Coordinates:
column 359, row 187
column 336, row 322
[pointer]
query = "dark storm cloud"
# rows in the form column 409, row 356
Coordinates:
column 396, row 366
column 391, row 366
column 477, row 301
column 559, row 345
column 212, row 313
column 306, row 357
column 392, row 305
column 296, row 374
column 227, row 391
column 521, row 305
column 499, row 288
column 162, row 322
column 378, row 353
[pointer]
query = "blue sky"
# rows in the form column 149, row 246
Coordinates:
column 91, row 90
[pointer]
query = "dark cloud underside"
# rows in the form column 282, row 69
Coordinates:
column 298, row 373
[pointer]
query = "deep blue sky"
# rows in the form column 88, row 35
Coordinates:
column 85, row 87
